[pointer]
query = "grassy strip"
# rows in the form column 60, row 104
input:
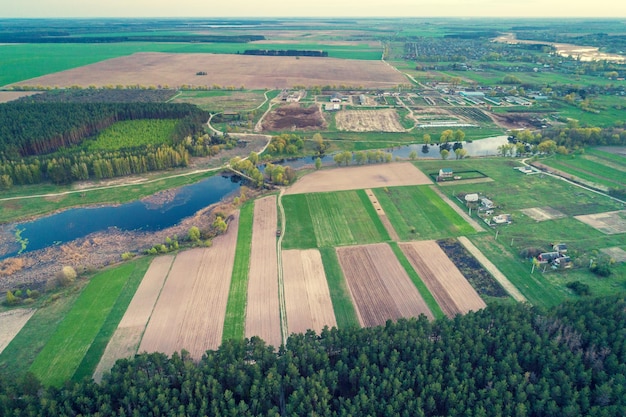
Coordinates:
column 617, row 159
column 589, row 170
column 299, row 233
column 234, row 322
column 417, row 281
column 369, row 208
column 14, row 210
column 18, row 356
column 92, row 357
column 345, row 314
column 535, row 287
column 60, row 357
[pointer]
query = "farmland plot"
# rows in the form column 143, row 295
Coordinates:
column 127, row 336
column 341, row 219
column 11, row 322
column 369, row 121
column 307, row 296
column 380, row 288
column 610, row 223
column 360, row 177
column 190, row 311
column 446, row 283
column 262, row 310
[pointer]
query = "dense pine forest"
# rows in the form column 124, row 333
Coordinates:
column 509, row 360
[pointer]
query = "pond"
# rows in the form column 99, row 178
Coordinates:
column 145, row 215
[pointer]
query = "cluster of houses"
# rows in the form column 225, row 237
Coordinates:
column 557, row 258
column 485, row 209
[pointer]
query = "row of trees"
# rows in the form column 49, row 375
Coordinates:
column 511, row 360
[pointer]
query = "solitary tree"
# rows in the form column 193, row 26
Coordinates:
column 318, row 163
column 444, row 154
column 66, row 276
column 413, row 155
column 193, row 234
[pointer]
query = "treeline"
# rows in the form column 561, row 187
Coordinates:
column 28, row 129
column 100, row 95
column 512, row 360
column 285, row 52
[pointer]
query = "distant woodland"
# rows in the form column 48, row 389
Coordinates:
column 511, row 360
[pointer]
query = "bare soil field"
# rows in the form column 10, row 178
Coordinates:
column 381, row 214
column 610, row 223
column 359, row 177
column 541, row 214
column 6, row 96
column 307, row 297
column 125, row 341
column 445, row 282
column 262, row 310
column 618, row 254
column 369, row 121
column 252, row 72
column 11, row 322
column 294, row 117
column 380, row 288
column 190, row 311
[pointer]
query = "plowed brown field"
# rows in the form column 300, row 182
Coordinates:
column 307, row 297
column 262, row 309
column 253, row 72
column 369, row 121
column 11, row 322
column 380, row 288
column 358, row 177
column 445, row 282
column 127, row 336
column 190, row 311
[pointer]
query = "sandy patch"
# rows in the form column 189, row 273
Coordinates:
column 191, row 308
column 252, row 72
column 610, row 223
column 262, row 310
column 127, row 336
column 541, row 214
column 381, row 289
column 359, row 177
column 369, row 121
column 6, row 96
column 307, row 297
column 11, row 322
column 444, row 280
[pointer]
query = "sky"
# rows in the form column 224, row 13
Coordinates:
column 311, row 8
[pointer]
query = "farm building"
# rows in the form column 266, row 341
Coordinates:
column 548, row 256
column 564, row 262
column 471, row 198
column 560, row 248
column 486, row 204
column 445, row 173
column 502, row 219
column 332, row 107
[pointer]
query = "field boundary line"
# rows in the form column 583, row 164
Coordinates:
column 456, row 208
column 279, row 258
column 493, row 270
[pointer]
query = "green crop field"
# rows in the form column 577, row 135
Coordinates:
column 341, row 218
column 67, row 346
column 345, row 314
column 299, row 232
column 591, row 168
column 132, row 134
column 236, row 305
column 418, row 213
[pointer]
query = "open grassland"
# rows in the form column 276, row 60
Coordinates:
column 11, row 322
column 190, row 311
column 345, row 314
column 24, row 61
column 125, row 341
column 231, row 71
column 446, row 283
column 590, row 168
column 234, row 321
column 379, row 285
column 307, row 298
column 133, row 133
column 419, row 213
column 360, row 177
column 262, row 309
column 69, row 343
column 342, row 218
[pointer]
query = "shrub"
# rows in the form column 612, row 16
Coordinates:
column 579, row 288
column 126, row 256
column 65, row 276
column 11, row 299
column 602, row 269
column 530, row 252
